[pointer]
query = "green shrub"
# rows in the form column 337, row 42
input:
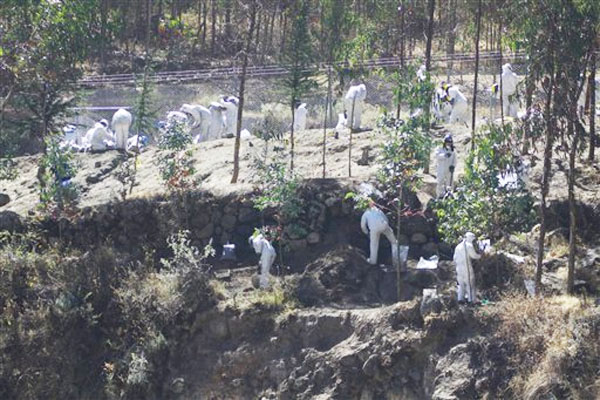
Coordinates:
column 479, row 204
column 58, row 194
column 176, row 160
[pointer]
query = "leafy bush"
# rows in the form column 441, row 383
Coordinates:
column 152, row 305
column 278, row 190
column 57, row 166
column 176, row 160
column 480, row 204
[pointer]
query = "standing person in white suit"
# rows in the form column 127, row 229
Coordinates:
column 353, row 103
column 267, row 256
column 459, row 105
column 121, row 121
column 231, row 103
column 446, row 163
column 300, row 117
column 509, row 88
column 217, row 121
column 464, row 252
column 374, row 223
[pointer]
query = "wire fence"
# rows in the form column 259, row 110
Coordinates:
column 266, row 94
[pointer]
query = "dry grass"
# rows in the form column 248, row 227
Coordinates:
column 549, row 336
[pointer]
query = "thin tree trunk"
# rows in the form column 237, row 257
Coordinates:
column 350, row 143
column 148, row 28
column 545, row 182
column 204, row 20
column 451, row 38
column 592, row 111
column 292, row 138
column 501, row 80
column 103, row 18
column 327, row 105
column 474, row 116
column 213, row 27
column 402, row 35
column 236, row 149
column 429, row 35
column 574, row 133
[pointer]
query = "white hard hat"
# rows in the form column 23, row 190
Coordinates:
column 470, row 236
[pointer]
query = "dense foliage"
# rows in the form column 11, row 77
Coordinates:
column 483, row 202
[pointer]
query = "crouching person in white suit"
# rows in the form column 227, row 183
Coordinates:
column 466, row 251
column 99, row 138
column 374, row 223
column 267, row 257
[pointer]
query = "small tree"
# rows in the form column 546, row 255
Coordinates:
column 176, row 160
column 298, row 58
column 405, row 150
column 58, row 195
column 277, row 190
column 480, row 204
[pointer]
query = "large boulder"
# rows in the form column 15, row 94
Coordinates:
column 10, row 221
column 4, row 199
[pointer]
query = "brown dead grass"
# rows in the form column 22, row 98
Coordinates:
column 550, row 336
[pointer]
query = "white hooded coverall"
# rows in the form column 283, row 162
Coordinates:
column 354, row 101
column 300, row 117
column 231, row 104
column 459, row 105
column 465, row 276
column 445, row 158
column 201, row 120
column 509, row 88
column 267, row 257
column 121, row 121
column 374, row 223
column 99, row 137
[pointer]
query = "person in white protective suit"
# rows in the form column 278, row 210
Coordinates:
column 421, row 73
column 201, row 120
column 446, row 162
column 267, row 256
column 177, row 116
column 300, row 117
column 353, row 102
column 374, row 223
column 460, row 106
column 121, row 121
column 231, row 103
column 466, row 251
column 99, row 138
column 217, row 121
column 441, row 105
column 509, row 88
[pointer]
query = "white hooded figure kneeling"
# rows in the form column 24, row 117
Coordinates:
column 121, row 121
column 300, row 112
column 466, row 251
column 374, row 223
column 446, row 163
column 267, row 257
column 460, row 107
column 353, row 102
column 99, row 138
